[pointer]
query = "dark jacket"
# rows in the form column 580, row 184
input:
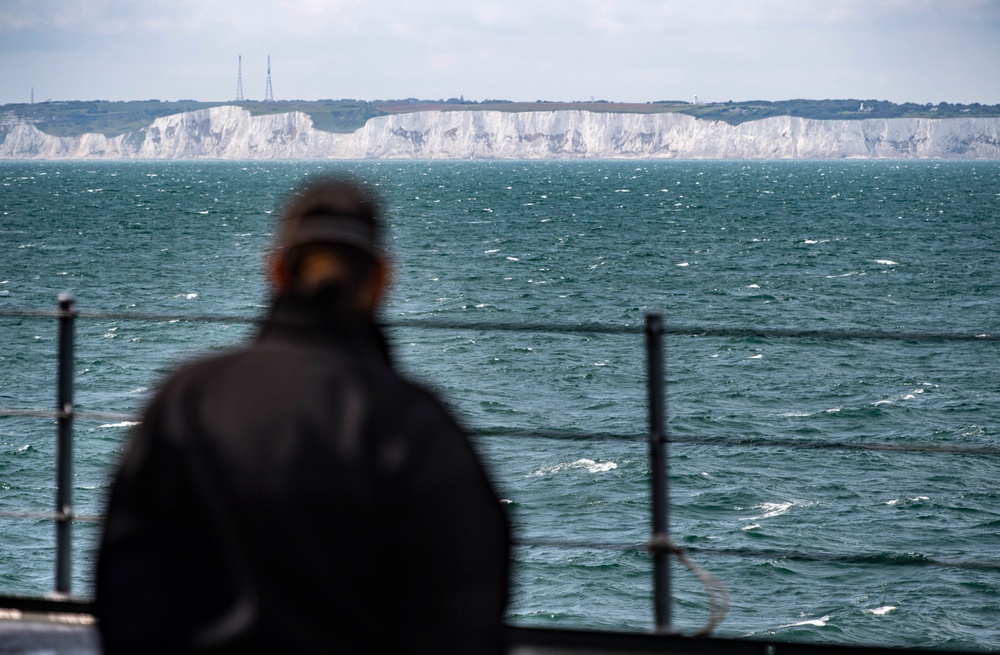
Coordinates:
column 299, row 496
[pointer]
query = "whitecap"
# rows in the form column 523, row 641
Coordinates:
column 751, row 526
column 583, row 463
column 120, row 424
column 755, row 357
column 887, row 262
column 912, row 395
column 897, row 501
column 771, row 510
column 882, row 611
column 513, row 259
column 490, row 252
column 753, row 286
column 819, row 623
column 684, row 264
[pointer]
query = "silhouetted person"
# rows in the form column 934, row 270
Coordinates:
column 297, row 495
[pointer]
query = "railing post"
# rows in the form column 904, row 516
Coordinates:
column 64, row 446
column 658, row 460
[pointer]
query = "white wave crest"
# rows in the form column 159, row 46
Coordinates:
column 911, row 395
column 916, row 499
column 771, row 510
column 819, row 623
column 882, row 611
column 589, row 464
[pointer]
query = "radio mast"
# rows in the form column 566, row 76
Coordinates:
column 269, row 94
column 239, row 80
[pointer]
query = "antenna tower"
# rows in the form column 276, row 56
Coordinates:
column 269, row 94
column 239, row 80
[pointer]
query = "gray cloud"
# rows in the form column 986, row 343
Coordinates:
column 639, row 50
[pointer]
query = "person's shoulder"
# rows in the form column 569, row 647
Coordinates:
column 420, row 392
column 418, row 405
column 199, row 369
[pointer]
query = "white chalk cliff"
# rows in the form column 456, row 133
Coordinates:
column 230, row 132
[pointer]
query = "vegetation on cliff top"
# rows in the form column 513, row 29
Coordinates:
column 73, row 118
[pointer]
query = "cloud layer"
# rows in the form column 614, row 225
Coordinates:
column 640, row 50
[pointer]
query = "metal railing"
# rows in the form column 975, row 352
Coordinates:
column 659, row 546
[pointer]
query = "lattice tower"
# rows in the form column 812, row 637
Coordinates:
column 239, row 80
column 269, row 94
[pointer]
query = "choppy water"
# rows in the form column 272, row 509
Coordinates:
column 806, row 245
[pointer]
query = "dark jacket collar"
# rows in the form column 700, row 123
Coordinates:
column 307, row 319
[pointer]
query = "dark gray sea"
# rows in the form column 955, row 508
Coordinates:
column 844, row 490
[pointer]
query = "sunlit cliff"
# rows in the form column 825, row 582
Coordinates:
column 231, row 132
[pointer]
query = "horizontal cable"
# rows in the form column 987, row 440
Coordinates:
column 877, row 559
column 486, row 326
column 890, row 559
column 584, row 328
column 742, row 442
column 570, row 435
column 81, row 416
column 131, row 316
column 836, row 445
column 861, row 335
column 51, row 516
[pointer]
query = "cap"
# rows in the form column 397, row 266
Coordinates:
column 336, row 229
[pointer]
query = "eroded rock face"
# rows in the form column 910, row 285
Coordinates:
column 232, row 133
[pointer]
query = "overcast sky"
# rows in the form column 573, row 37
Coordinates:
column 621, row 50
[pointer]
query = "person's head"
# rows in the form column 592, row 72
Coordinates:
column 328, row 243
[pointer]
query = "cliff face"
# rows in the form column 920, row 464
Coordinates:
column 232, row 133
